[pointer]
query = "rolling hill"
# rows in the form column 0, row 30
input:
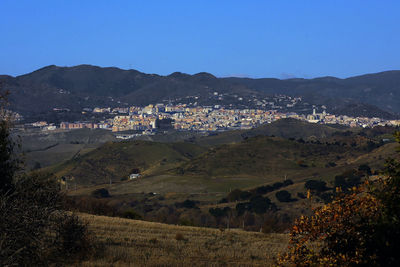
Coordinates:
column 270, row 156
column 49, row 148
column 251, row 157
column 115, row 161
column 183, row 182
column 285, row 128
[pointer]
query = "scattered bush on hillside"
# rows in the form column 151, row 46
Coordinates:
column 283, row 196
column 239, row 195
column 264, row 189
column 316, row 186
column 188, row 204
column 245, row 195
column 101, row 193
column 97, row 206
column 330, row 164
column 186, row 222
column 131, row 214
column 274, row 223
column 277, row 185
column 223, row 200
column 371, row 145
column 179, row 237
column 260, row 205
column 242, row 207
column 365, row 168
column 301, row 163
column 219, row 214
column 234, row 195
column 257, row 204
column 301, row 195
column 348, row 179
column 326, row 197
column 287, row 182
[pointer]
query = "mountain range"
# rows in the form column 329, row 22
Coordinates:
column 86, row 86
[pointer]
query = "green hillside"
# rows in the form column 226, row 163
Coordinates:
column 53, row 148
column 49, row 148
column 116, row 161
column 288, row 147
column 285, row 128
column 184, row 183
column 263, row 156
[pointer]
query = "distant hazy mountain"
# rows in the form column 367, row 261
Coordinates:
column 89, row 86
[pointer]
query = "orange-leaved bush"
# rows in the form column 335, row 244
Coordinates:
column 359, row 228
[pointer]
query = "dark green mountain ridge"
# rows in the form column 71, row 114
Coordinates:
column 90, row 86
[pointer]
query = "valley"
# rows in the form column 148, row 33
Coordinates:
column 182, row 178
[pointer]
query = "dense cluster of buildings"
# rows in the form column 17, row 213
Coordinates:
column 78, row 125
column 207, row 118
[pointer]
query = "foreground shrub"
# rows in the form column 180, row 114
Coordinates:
column 34, row 228
column 35, row 231
column 358, row 228
column 335, row 234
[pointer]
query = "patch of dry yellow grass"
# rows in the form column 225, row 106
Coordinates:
column 138, row 243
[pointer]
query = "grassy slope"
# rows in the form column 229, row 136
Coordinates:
column 57, row 154
column 116, row 160
column 264, row 156
column 49, row 148
column 55, row 147
column 139, row 243
column 256, row 161
column 209, row 173
column 285, row 128
column 177, row 188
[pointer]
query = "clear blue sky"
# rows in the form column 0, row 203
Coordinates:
column 251, row 38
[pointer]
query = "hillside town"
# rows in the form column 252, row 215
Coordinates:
column 184, row 117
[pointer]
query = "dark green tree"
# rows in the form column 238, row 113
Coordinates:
column 283, row 196
column 8, row 162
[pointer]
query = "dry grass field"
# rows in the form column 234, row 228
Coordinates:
column 138, row 243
